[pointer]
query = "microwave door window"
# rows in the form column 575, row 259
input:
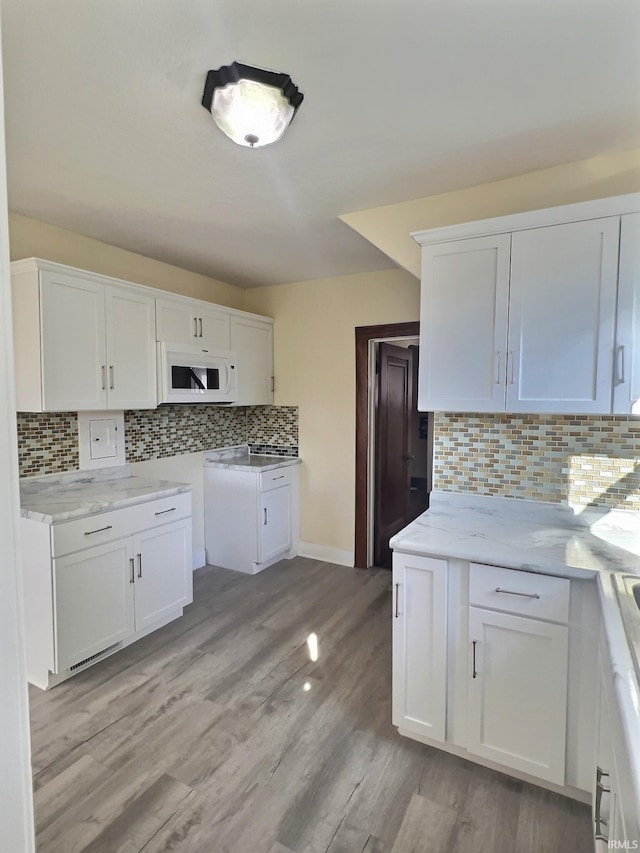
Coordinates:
column 213, row 379
column 184, row 378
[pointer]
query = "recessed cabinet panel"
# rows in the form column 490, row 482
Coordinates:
column 562, row 317
column 518, row 692
column 74, row 363
column 419, row 645
column 463, row 317
column 275, row 523
column 626, row 379
column 188, row 322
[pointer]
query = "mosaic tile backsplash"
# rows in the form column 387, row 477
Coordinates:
column 48, row 443
column 580, row 460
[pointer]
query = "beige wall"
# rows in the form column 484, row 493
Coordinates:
column 389, row 227
column 30, row 238
column 315, row 370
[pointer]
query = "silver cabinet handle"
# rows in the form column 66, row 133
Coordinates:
column 523, row 594
column 475, row 671
column 99, row 530
column 265, row 515
column 620, row 365
column 273, row 384
column 281, row 477
column 111, row 386
column 498, row 358
column 104, row 377
column 397, row 613
column 600, row 790
column 132, row 579
column 510, row 367
column 195, row 326
column 139, row 556
column 162, row 511
column 200, row 319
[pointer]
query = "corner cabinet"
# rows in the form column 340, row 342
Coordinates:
column 482, row 667
column 250, row 517
column 96, row 584
column 81, row 343
column 522, row 317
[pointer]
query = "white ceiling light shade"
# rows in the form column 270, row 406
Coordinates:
column 252, row 106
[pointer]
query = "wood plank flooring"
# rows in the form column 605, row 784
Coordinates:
column 219, row 734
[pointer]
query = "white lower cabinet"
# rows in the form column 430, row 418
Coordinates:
column 82, row 603
column 482, row 667
column 518, row 692
column 250, row 517
column 420, row 645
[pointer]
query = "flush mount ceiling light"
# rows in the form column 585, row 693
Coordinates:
column 252, row 106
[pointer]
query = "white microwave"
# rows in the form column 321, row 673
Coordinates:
column 195, row 374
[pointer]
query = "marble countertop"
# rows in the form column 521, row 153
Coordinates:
column 60, row 497
column 525, row 535
column 239, row 458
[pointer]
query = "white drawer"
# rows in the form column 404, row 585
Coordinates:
column 276, row 478
column 71, row 536
column 525, row 593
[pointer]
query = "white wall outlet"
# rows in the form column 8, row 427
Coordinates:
column 101, row 439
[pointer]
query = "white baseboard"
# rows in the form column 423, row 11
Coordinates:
column 199, row 559
column 326, row 553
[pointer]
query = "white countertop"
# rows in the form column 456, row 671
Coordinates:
column 60, row 497
column 239, row 458
column 526, row 535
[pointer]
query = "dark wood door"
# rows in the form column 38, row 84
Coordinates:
column 397, row 499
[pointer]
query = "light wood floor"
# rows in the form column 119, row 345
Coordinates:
column 218, row 733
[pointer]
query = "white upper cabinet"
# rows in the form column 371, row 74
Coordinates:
column 80, row 343
column 131, row 356
column 463, row 322
column 188, row 321
column 562, row 317
column 252, row 341
column 524, row 320
column 626, row 383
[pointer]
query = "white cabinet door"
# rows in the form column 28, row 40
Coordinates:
column 561, row 317
column 252, row 340
column 626, row 383
column 518, row 692
column 214, row 328
column 74, row 362
column 131, row 349
column 187, row 322
column 162, row 572
column 420, row 645
column 175, row 322
column 463, row 325
column 93, row 595
column 274, row 523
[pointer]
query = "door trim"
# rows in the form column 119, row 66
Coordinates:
column 364, row 334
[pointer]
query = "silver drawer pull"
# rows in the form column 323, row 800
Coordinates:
column 162, row 511
column 99, row 530
column 281, row 477
column 523, row 594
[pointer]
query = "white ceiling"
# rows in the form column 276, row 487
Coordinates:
column 403, row 99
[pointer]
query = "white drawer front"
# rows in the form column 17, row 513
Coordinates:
column 276, row 478
column 71, row 536
column 525, row 593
